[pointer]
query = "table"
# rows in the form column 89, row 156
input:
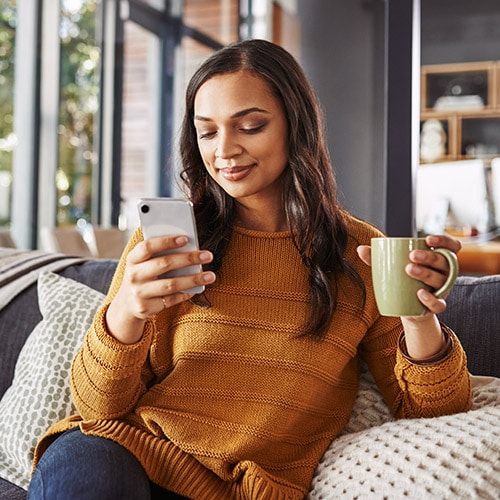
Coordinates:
column 480, row 258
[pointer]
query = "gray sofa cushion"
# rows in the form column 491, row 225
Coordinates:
column 473, row 312
column 9, row 491
column 478, row 329
column 19, row 317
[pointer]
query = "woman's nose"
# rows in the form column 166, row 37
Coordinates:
column 227, row 146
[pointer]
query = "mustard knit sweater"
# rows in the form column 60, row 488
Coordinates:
column 227, row 402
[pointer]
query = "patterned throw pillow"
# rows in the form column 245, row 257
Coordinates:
column 39, row 395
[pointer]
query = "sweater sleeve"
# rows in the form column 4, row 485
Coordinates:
column 410, row 389
column 108, row 377
column 416, row 390
column 436, row 389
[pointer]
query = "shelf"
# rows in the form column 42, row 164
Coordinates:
column 465, row 99
column 480, row 136
column 480, row 259
column 460, row 81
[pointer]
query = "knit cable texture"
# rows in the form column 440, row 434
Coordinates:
column 449, row 457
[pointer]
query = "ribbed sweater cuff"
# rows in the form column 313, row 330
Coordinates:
column 443, row 354
column 119, row 357
column 435, row 378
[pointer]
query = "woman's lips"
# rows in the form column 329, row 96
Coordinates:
column 236, row 173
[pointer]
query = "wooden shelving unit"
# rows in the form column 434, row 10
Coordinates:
column 451, row 94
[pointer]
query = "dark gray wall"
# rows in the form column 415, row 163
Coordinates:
column 460, row 31
column 342, row 52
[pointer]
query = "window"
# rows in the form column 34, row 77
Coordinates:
column 8, row 20
column 79, row 98
column 160, row 52
column 97, row 101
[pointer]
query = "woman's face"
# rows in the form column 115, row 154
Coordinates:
column 242, row 136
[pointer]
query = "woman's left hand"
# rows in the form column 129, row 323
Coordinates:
column 426, row 266
column 432, row 269
column 423, row 333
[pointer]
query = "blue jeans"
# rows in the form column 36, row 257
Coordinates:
column 80, row 467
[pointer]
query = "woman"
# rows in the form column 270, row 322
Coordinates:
column 237, row 393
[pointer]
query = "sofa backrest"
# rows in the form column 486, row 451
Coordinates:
column 473, row 312
column 20, row 316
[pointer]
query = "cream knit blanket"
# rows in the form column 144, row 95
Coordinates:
column 450, row 457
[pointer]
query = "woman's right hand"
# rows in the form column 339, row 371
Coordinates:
column 142, row 294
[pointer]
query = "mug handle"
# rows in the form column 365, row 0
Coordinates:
column 453, row 263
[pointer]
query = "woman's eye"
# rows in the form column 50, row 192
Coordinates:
column 253, row 130
column 205, row 135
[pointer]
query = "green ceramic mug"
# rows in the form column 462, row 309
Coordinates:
column 395, row 292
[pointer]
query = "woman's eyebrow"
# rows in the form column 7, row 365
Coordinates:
column 238, row 114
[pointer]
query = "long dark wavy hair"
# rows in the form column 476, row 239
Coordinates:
column 309, row 195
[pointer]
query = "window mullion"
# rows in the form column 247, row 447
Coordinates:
column 49, row 114
column 108, row 163
column 24, row 195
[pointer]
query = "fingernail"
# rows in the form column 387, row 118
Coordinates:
column 209, row 277
column 181, row 240
column 413, row 269
column 418, row 255
column 205, row 256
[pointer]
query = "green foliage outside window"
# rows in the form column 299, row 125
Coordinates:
column 7, row 139
column 79, row 103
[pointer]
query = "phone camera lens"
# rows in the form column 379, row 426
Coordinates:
column 145, row 209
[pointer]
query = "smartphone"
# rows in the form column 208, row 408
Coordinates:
column 171, row 216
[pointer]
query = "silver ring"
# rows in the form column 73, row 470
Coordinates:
column 164, row 303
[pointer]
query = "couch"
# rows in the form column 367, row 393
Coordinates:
column 459, row 455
